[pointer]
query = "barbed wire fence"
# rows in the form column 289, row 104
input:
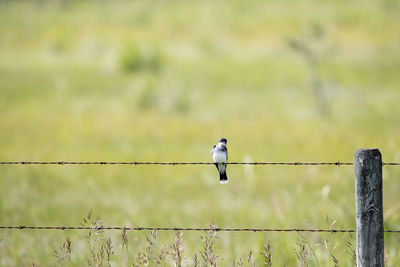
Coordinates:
column 369, row 212
column 173, row 163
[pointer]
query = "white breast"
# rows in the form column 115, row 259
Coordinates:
column 219, row 156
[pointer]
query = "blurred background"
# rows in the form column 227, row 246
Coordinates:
column 164, row 81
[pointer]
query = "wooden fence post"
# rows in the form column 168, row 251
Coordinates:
column 369, row 211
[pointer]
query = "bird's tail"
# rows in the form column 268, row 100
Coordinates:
column 223, row 179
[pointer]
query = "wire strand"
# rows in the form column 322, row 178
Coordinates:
column 183, row 229
column 297, row 163
column 163, row 163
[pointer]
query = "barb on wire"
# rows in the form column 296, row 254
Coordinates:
column 184, row 229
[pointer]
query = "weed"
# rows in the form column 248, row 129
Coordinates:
column 100, row 250
column 208, row 254
column 304, row 252
column 109, row 250
column 250, row 259
column 149, row 256
column 267, row 254
column 329, row 246
column 239, row 263
column 63, row 253
column 335, row 261
column 124, row 246
column 351, row 250
column 176, row 250
column 196, row 262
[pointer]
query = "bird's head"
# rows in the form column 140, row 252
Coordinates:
column 223, row 140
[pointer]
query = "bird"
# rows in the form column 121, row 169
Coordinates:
column 219, row 153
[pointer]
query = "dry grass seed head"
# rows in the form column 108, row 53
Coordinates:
column 208, row 254
column 64, row 252
column 350, row 249
column 302, row 251
column 97, row 252
column 176, row 250
column 335, row 261
column 196, row 261
column 148, row 256
column 124, row 237
column 267, row 253
column 108, row 248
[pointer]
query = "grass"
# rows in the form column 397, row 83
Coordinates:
column 163, row 82
column 103, row 251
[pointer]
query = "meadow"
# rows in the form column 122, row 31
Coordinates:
column 156, row 81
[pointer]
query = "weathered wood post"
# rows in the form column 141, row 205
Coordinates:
column 369, row 211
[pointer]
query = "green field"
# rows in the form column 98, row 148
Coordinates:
column 157, row 81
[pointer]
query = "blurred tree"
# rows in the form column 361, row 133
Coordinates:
column 312, row 48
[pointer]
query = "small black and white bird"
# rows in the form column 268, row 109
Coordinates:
column 219, row 153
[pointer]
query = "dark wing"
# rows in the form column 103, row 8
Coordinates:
column 212, row 150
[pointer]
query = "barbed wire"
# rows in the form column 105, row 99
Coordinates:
column 184, row 229
column 297, row 163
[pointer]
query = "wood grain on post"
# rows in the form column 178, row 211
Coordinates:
column 369, row 211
